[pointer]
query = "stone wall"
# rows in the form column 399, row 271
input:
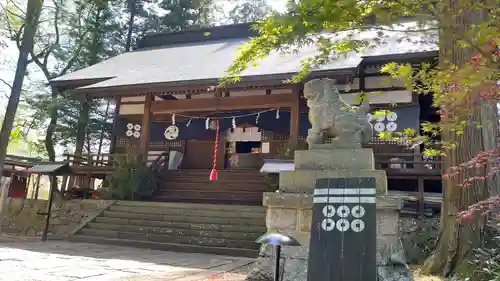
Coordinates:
column 289, row 213
column 21, row 216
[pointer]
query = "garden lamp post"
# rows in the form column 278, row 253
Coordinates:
column 277, row 240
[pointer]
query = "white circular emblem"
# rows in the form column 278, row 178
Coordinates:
column 130, row 126
column 172, row 132
column 129, row 133
column 343, row 211
column 358, row 211
column 137, row 127
column 380, row 117
column 342, row 225
column 392, row 116
column 357, row 225
column 328, row 224
column 391, row 126
column 329, row 211
column 137, row 134
column 379, row 127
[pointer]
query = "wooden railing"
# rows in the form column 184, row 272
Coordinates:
column 408, row 164
column 104, row 159
column 394, row 163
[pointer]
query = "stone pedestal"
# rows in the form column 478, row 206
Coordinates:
column 290, row 211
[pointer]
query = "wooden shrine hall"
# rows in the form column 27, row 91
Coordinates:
column 166, row 102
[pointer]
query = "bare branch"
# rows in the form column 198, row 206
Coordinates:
column 19, row 8
column 8, row 85
column 16, row 15
column 5, row 83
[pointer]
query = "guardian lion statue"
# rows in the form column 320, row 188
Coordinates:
column 331, row 116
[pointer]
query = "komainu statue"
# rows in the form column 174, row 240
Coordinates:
column 331, row 116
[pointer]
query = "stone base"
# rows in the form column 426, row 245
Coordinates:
column 293, row 264
column 335, row 145
column 344, row 159
column 392, row 273
column 294, row 267
column 291, row 213
column 302, row 181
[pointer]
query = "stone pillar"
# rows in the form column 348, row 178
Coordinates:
column 289, row 210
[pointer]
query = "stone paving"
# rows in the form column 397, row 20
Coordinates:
column 65, row 261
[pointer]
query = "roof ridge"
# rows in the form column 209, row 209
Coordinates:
column 197, row 34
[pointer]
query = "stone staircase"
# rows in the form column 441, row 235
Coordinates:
column 181, row 227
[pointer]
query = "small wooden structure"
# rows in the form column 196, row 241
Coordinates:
column 52, row 170
column 16, row 168
column 168, row 81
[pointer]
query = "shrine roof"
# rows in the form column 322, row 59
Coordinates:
column 202, row 56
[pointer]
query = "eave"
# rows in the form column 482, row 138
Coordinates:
column 193, row 86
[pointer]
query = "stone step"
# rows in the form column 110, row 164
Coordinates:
column 206, row 172
column 186, row 218
column 212, row 195
column 182, row 225
column 255, row 200
column 191, row 206
column 196, row 185
column 187, row 212
column 246, row 236
column 249, row 253
column 173, row 239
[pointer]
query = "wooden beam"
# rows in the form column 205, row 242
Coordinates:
column 295, row 116
column 221, row 103
column 146, row 125
column 114, row 130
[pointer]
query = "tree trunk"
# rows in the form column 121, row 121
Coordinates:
column 49, row 134
column 81, row 132
column 457, row 238
column 101, row 137
column 132, row 6
column 33, row 11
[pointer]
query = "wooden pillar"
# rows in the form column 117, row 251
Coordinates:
column 146, row 126
column 421, row 197
column 4, row 195
column 112, row 148
column 27, row 186
column 37, row 186
column 295, row 116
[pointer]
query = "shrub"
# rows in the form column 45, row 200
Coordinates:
column 484, row 263
column 132, row 179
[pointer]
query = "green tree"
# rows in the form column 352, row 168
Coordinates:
column 175, row 15
column 29, row 27
column 460, row 89
column 249, row 11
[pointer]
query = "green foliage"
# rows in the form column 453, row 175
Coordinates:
column 305, row 22
column 333, row 25
column 484, row 263
column 249, row 11
column 132, row 179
